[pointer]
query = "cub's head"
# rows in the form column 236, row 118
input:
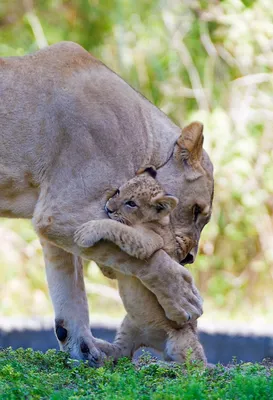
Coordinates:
column 140, row 200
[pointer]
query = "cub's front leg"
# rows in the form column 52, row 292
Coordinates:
column 90, row 233
column 137, row 243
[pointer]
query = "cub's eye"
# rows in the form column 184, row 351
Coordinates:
column 131, row 203
column 196, row 211
column 117, row 192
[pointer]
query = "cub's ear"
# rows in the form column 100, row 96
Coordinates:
column 188, row 149
column 150, row 169
column 164, row 203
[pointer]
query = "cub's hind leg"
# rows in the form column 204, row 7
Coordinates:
column 127, row 341
column 130, row 338
column 184, row 343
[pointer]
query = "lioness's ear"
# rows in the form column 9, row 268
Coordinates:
column 164, row 203
column 150, row 169
column 190, row 142
column 189, row 148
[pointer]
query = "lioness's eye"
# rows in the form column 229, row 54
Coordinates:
column 130, row 203
column 196, row 211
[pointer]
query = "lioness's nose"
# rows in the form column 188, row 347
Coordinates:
column 189, row 259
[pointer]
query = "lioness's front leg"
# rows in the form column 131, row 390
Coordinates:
column 66, row 286
column 139, row 244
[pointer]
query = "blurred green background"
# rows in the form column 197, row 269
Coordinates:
column 205, row 60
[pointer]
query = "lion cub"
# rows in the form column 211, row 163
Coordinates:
column 140, row 225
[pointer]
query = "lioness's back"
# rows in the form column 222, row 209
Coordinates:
column 62, row 93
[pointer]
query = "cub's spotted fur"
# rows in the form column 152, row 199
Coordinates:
column 139, row 224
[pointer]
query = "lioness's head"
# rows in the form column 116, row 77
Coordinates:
column 140, row 200
column 188, row 175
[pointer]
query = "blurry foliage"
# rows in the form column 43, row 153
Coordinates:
column 205, row 60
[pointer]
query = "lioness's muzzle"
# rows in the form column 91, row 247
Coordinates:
column 189, row 259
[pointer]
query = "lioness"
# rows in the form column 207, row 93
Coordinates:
column 140, row 224
column 67, row 141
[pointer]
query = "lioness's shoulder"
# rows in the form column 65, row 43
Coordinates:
column 65, row 48
column 65, row 56
column 66, row 53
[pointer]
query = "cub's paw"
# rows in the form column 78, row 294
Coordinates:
column 87, row 235
column 109, row 349
column 143, row 251
column 139, row 253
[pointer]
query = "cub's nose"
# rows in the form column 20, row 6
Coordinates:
column 107, row 210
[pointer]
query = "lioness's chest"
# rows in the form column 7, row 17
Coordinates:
column 18, row 194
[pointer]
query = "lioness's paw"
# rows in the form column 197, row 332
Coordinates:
column 80, row 345
column 86, row 235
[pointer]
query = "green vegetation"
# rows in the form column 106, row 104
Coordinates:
column 205, row 60
column 33, row 375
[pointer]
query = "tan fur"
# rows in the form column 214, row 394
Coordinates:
column 72, row 131
column 143, row 229
column 147, row 229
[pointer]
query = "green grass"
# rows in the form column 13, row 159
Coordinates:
column 25, row 374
